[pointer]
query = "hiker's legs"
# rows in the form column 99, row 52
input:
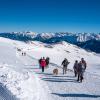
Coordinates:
column 42, row 69
column 75, row 72
column 81, row 77
column 65, row 70
column 78, row 77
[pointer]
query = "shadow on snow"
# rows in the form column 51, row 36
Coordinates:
column 58, row 80
column 77, row 95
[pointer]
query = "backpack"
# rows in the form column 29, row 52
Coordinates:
column 65, row 63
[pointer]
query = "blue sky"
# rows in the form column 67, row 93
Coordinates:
column 50, row 15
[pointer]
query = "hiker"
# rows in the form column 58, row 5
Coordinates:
column 80, row 71
column 65, row 64
column 75, row 67
column 47, row 61
column 40, row 62
column 43, row 64
column 84, row 65
column 24, row 53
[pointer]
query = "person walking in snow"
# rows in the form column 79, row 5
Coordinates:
column 24, row 54
column 47, row 61
column 43, row 64
column 84, row 64
column 75, row 67
column 80, row 71
column 65, row 64
column 40, row 62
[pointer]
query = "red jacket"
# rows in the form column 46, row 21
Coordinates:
column 43, row 63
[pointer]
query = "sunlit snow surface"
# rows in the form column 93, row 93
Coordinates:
column 21, row 78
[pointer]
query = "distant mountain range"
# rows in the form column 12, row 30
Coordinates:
column 92, row 45
column 89, row 41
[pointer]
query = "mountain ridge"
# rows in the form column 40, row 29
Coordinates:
column 79, row 39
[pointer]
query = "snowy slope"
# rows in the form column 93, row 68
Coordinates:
column 14, row 77
column 23, row 78
column 62, row 50
column 65, row 87
column 73, row 53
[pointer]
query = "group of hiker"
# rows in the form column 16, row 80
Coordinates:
column 44, row 63
column 23, row 53
column 79, row 68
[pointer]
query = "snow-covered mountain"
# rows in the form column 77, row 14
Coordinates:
column 21, row 78
column 91, row 45
column 70, row 37
column 83, row 37
column 80, row 39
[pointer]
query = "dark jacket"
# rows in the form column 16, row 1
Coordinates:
column 80, row 68
column 75, row 67
column 65, row 63
column 47, row 60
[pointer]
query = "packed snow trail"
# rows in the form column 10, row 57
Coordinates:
column 16, row 81
column 65, row 87
column 42, row 85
